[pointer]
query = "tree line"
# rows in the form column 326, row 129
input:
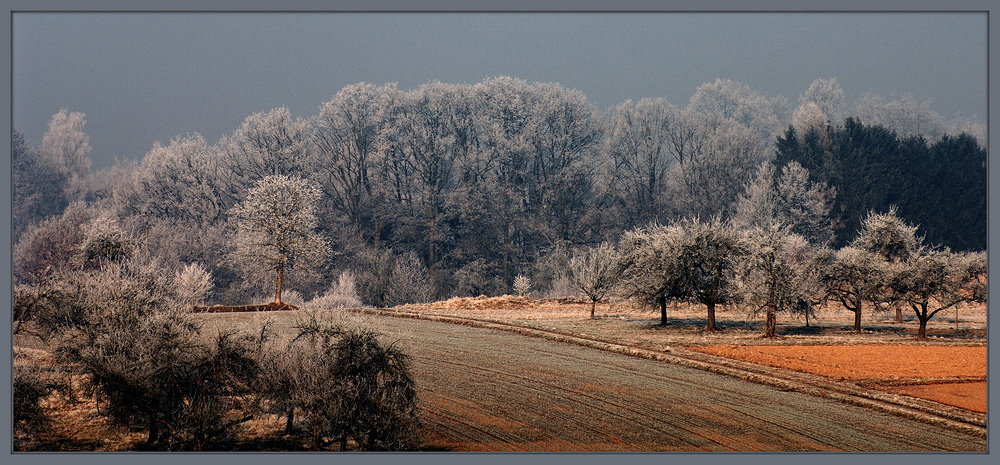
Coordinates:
column 451, row 189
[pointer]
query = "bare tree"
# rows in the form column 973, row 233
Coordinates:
column 638, row 142
column 595, row 272
column 274, row 229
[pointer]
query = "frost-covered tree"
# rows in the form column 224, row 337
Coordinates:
column 346, row 138
column 36, row 189
column 104, row 242
column 778, row 274
column 180, row 182
column 275, row 228
column 522, row 285
column 51, row 246
column 790, row 200
column 706, row 258
column 906, row 115
column 266, row 144
column 714, row 175
column 887, row 236
column 564, row 134
column 595, row 272
column 638, row 142
column 725, row 99
column 65, row 147
column 852, row 277
column 809, row 116
column 828, row 98
column 933, row 280
column 648, row 271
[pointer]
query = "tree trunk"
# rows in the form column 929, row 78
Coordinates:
column 769, row 322
column 154, row 431
column 662, row 300
column 711, row 317
column 857, row 317
column 277, row 290
column 289, row 420
column 922, row 330
column 899, row 314
column 593, row 307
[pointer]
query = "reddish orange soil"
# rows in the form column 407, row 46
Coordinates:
column 911, row 369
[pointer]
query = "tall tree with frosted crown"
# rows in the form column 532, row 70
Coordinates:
column 275, row 228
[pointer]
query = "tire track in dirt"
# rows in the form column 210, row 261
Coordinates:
column 645, row 418
column 491, row 390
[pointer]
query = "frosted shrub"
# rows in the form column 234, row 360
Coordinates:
column 409, row 282
column 192, row 284
column 105, row 241
column 293, row 297
column 561, row 287
column 341, row 294
column 522, row 285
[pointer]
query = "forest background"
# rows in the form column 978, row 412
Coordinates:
column 456, row 189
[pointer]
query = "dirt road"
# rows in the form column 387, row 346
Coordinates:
column 484, row 390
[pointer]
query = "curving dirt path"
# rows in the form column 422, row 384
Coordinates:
column 485, row 390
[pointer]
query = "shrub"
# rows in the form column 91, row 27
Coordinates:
column 347, row 384
column 192, row 284
column 522, row 284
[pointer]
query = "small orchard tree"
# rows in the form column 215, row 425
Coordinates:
column 853, row 276
column 705, row 259
column 647, row 270
column 275, row 229
column 595, row 272
column 934, row 280
column 777, row 274
column 892, row 240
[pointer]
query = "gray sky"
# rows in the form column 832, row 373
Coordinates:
column 145, row 77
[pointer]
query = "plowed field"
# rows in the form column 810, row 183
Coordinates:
column 484, row 390
column 952, row 375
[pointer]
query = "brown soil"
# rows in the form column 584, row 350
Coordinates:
column 885, row 367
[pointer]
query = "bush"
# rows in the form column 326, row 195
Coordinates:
column 342, row 294
column 347, row 384
column 30, row 386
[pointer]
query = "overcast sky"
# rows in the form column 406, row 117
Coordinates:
column 145, row 77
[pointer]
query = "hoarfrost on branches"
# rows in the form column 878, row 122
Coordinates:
column 275, row 228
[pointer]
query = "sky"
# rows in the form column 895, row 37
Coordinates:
column 147, row 77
